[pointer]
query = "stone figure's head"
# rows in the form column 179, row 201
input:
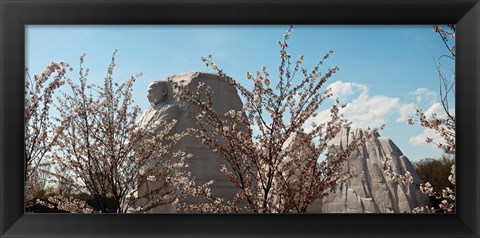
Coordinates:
column 157, row 92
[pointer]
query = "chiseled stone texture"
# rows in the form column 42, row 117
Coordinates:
column 205, row 164
column 369, row 191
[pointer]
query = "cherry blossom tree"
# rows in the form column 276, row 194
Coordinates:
column 66, row 204
column 446, row 197
column 40, row 135
column 443, row 126
column 103, row 153
column 278, row 168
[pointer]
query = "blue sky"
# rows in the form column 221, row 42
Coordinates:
column 384, row 70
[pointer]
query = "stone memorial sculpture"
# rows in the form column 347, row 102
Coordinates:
column 162, row 110
column 204, row 165
column 369, row 191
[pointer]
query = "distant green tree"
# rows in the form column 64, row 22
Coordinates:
column 436, row 171
column 46, row 193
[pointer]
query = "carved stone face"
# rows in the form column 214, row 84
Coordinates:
column 156, row 93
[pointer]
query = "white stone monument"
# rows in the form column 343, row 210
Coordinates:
column 369, row 191
column 162, row 110
column 205, row 164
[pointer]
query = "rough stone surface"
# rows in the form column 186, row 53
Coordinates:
column 369, row 191
column 205, row 164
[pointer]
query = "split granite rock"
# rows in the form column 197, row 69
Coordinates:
column 369, row 191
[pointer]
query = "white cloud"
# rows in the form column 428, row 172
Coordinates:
column 344, row 89
column 322, row 117
column 436, row 108
column 364, row 110
column 424, row 95
column 421, row 138
column 405, row 110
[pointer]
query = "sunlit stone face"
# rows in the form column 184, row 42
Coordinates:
column 156, row 93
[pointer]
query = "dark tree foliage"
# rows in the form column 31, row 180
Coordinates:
column 436, row 171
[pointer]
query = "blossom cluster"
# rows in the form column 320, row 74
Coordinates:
column 446, row 196
column 39, row 133
column 445, row 127
column 269, row 156
column 405, row 178
column 446, row 34
column 68, row 204
column 96, row 148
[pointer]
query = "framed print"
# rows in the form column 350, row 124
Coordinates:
column 211, row 152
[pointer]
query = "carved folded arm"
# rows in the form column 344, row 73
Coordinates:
column 165, row 116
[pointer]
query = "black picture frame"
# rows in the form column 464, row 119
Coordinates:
column 15, row 14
